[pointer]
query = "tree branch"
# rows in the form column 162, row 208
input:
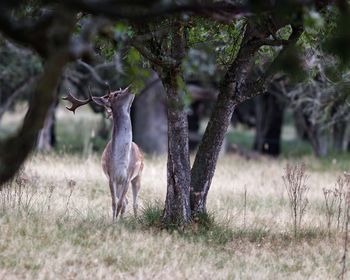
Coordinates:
column 297, row 30
column 94, row 74
column 137, row 11
column 15, row 149
column 25, row 86
column 252, row 89
column 27, row 32
column 163, row 61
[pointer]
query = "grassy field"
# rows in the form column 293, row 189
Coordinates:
column 55, row 222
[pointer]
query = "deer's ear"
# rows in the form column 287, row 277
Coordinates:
column 102, row 101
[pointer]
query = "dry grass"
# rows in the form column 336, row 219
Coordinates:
column 64, row 231
column 55, row 222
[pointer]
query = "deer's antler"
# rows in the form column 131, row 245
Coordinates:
column 76, row 103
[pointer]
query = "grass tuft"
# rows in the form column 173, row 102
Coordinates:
column 152, row 215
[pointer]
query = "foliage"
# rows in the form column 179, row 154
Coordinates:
column 136, row 69
column 212, row 43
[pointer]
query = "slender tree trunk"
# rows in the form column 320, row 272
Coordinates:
column 235, row 88
column 47, row 135
column 318, row 137
column 299, row 124
column 322, row 139
column 193, row 125
column 230, row 92
column 339, row 136
column 26, row 137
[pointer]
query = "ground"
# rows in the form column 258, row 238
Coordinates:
column 56, row 224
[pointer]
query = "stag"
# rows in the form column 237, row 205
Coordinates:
column 122, row 159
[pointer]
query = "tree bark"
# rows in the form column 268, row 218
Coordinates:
column 177, row 205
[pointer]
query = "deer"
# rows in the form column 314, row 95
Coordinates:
column 122, row 160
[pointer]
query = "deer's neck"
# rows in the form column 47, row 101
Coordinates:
column 121, row 140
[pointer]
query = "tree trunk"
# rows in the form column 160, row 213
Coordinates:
column 15, row 149
column 230, row 92
column 321, row 139
column 26, row 137
column 177, row 205
column 177, row 209
column 299, row 125
column 47, row 135
column 149, row 118
column 339, row 136
column 104, row 129
column 318, row 137
column 193, row 125
column 235, row 88
column 269, row 117
column 205, row 162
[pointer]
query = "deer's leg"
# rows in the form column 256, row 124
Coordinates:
column 125, row 203
column 112, row 188
column 121, row 205
column 136, row 185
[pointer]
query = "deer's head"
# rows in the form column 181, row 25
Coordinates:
column 117, row 101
